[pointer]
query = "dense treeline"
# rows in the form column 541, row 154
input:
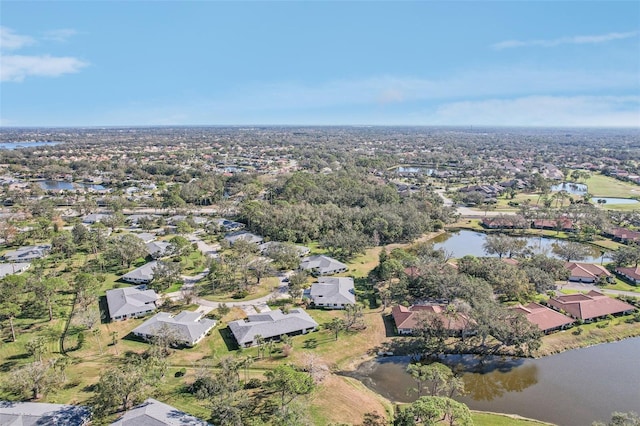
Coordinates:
column 345, row 211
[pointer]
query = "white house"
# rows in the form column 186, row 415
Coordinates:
column 188, row 328
column 270, row 325
column 322, row 265
column 332, row 293
column 130, row 302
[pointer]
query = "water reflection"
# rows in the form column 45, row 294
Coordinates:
column 464, row 242
column 494, row 384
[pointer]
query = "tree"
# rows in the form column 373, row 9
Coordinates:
column 284, row 255
column 36, row 347
column 165, row 337
column 289, row 383
column 353, row 316
column 123, row 250
column 63, row 244
column 621, row 419
column 260, row 268
column 121, row 387
column 165, row 274
column 627, row 255
column 297, row 283
column 85, row 286
column 336, row 325
column 46, row 290
column 570, row 250
column 497, row 244
column 11, row 299
column 34, row 379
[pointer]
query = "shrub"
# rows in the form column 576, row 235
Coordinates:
column 578, row 331
column 253, row 383
column 181, row 372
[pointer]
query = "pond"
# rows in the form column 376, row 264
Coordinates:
column 465, row 242
column 61, row 185
column 571, row 187
column 16, row 145
column 609, row 200
column 573, row 388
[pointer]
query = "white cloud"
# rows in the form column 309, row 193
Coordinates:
column 9, row 40
column 60, row 35
column 589, row 39
column 17, row 67
column 579, row 111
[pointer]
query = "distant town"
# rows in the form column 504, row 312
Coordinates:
column 265, row 275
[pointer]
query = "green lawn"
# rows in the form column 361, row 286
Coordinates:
column 491, row 419
column 605, row 186
column 623, row 286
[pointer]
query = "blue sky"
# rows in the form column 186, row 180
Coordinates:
column 518, row 63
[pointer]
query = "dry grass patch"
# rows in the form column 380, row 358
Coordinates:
column 344, row 400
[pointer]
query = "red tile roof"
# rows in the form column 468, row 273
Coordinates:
column 633, row 273
column 545, row 318
column 586, row 270
column 591, row 305
column 410, row 318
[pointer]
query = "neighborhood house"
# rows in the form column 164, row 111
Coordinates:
column 409, row 319
column 186, row 328
column 587, row 272
column 322, row 265
column 270, row 325
column 589, row 306
column 155, row 413
column 546, row 319
column 130, row 302
column 141, row 275
column 27, row 253
column 332, row 292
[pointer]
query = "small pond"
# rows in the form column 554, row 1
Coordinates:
column 573, row 388
column 464, row 242
column 571, row 187
column 61, row 185
column 609, row 200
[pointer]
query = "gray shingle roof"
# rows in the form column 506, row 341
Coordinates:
column 13, row 268
column 159, row 248
column 38, row 413
column 322, row 264
column 141, row 274
column 155, row 413
column 242, row 235
column 27, row 253
column 187, row 326
column 333, row 290
column 271, row 324
column 129, row 301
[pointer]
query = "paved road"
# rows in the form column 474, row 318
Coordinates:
column 589, row 287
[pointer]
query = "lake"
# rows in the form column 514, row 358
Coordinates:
column 16, row 145
column 573, row 388
column 464, row 242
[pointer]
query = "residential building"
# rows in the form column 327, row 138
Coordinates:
column 272, row 325
column 587, row 272
column 322, row 265
column 155, row 413
column 243, row 235
column 631, row 274
column 145, row 237
column 188, row 328
column 13, row 268
column 130, row 302
column 158, row 249
column 27, row 253
column 546, row 319
column 94, row 218
column 409, row 319
column 141, row 275
column 302, row 250
column 561, row 224
column 590, row 306
column 40, row 413
column 332, row 293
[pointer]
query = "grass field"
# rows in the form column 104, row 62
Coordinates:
column 605, row 186
column 496, row 419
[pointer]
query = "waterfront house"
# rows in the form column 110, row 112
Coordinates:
column 546, row 319
column 590, row 306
